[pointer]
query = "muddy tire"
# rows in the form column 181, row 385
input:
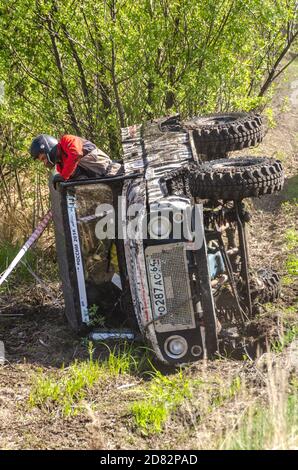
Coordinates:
column 216, row 134
column 265, row 286
column 235, row 178
column 271, row 282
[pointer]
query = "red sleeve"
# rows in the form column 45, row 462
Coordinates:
column 72, row 152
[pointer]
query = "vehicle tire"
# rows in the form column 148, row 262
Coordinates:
column 176, row 182
column 265, row 286
column 216, row 134
column 235, row 178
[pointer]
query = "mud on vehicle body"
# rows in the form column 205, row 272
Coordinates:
column 167, row 281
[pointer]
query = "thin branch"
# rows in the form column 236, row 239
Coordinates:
column 272, row 74
column 285, row 67
column 25, row 69
column 119, row 105
column 223, row 24
column 64, row 89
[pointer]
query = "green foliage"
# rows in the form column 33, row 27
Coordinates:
column 292, row 191
column 227, row 393
column 164, row 395
column 258, row 428
column 150, row 417
column 66, row 392
column 281, row 155
column 292, row 310
column 291, row 333
column 90, row 68
column 96, row 319
column 21, row 273
column 285, row 105
column 287, row 280
column 126, row 358
column 269, row 113
column 63, row 392
column 291, row 239
column 107, row 64
column 292, row 265
column 290, row 207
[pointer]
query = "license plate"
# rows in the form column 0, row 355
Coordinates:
column 157, row 287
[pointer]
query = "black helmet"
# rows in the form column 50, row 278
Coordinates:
column 43, row 143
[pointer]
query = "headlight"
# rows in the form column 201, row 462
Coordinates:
column 176, row 346
column 159, row 227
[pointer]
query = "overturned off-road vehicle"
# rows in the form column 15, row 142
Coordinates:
column 160, row 252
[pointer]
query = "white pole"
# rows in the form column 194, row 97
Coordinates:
column 71, row 208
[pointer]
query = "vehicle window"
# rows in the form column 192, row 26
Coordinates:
column 99, row 256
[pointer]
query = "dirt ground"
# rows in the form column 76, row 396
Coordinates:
column 37, row 337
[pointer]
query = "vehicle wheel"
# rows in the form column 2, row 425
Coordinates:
column 268, row 287
column 177, row 181
column 216, row 134
column 235, row 178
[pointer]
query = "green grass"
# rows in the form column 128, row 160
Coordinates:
column 292, row 265
column 96, row 319
column 281, row 155
column 287, row 280
column 164, row 395
column 290, row 333
column 293, row 309
column 226, row 393
column 150, row 417
column 64, row 391
column 259, row 429
column 291, row 238
column 292, row 190
column 20, row 273
column 291, row 241
column 126, row 358
column 35, row 259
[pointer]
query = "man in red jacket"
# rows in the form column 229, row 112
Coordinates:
column 74, row 157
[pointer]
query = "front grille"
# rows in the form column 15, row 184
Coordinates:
column 171, row 261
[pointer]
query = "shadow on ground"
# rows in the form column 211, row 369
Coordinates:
column 272, row 202
column 39, row 335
